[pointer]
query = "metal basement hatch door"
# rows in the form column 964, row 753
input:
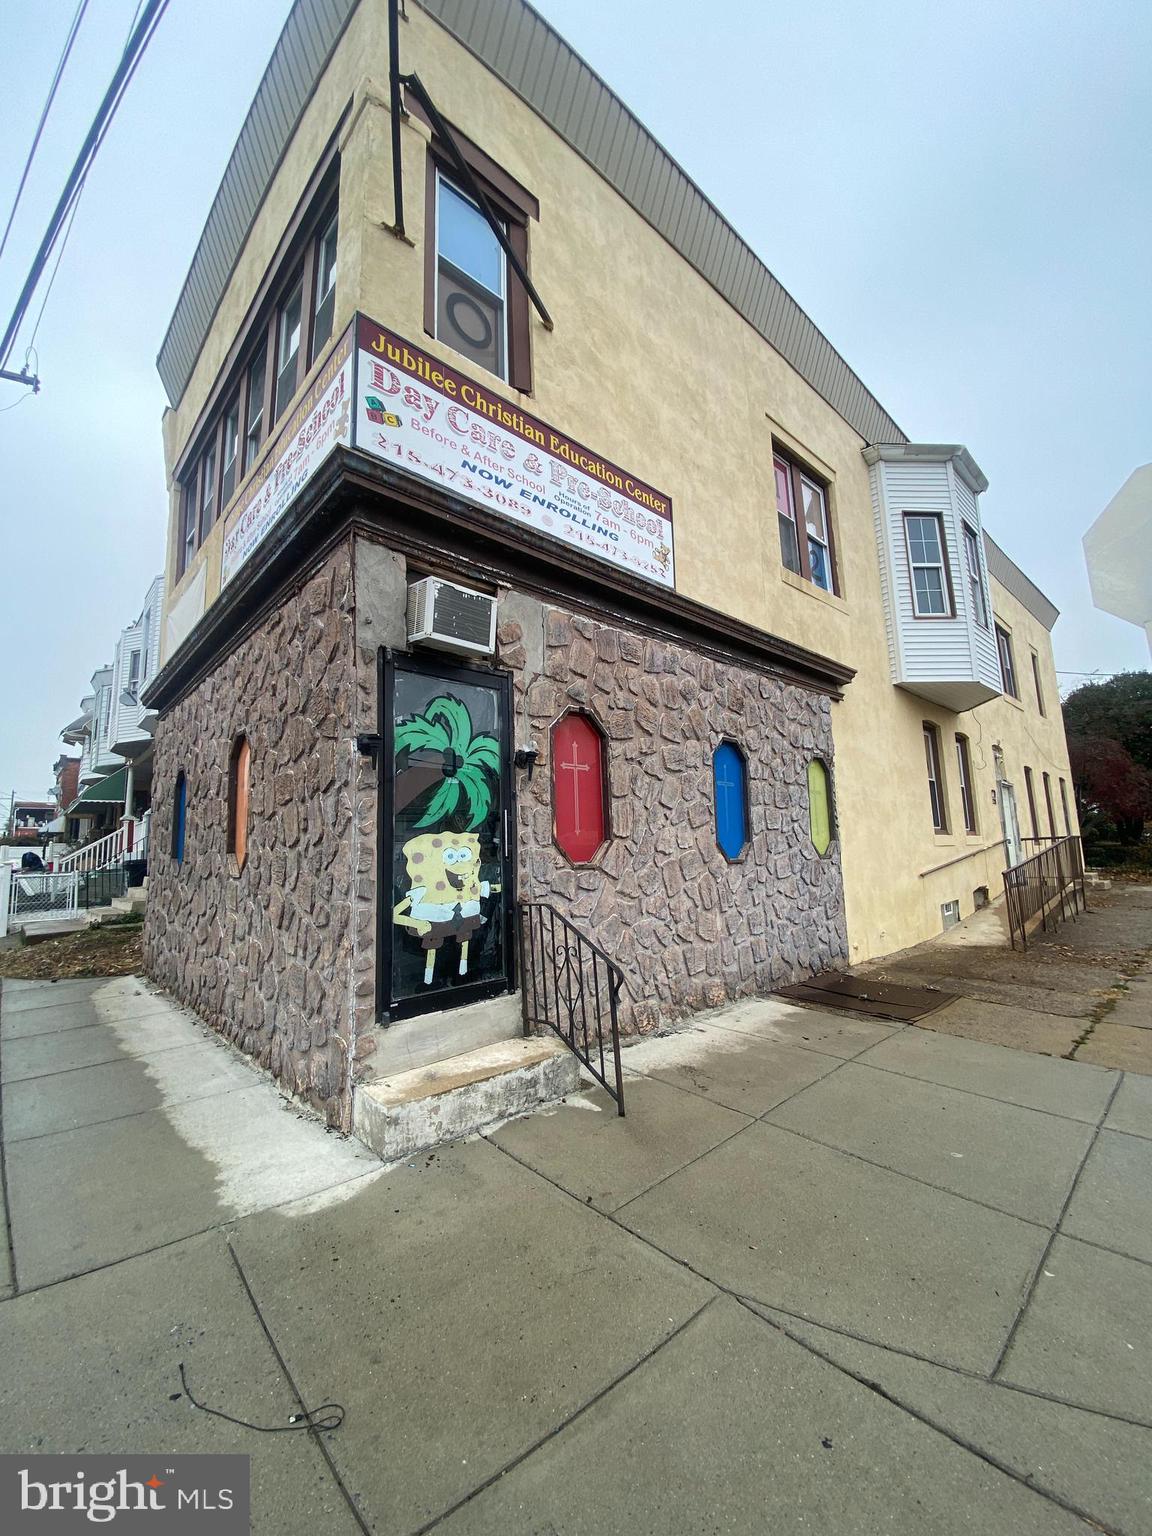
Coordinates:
column 864, row 994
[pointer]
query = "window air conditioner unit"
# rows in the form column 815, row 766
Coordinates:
column 446, row 617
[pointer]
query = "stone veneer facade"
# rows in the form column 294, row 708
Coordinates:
column 689, row 929
column 263, row 954
column 280, row 956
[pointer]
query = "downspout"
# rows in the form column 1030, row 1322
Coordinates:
column 396, row 109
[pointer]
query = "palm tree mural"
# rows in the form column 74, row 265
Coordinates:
column 439, row 748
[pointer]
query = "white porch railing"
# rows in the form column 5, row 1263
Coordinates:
column 113, row 849
column 36, row 897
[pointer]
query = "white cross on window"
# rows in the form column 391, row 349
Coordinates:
column 576, row 768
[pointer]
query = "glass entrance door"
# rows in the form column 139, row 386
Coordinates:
column 448, row 933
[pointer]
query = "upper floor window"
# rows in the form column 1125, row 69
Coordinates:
column 324, row 303
column 802, row 516
column 935, row 777
column 975, row 568
column 254, row 408
column 471, row 281
column 1007, row 662
column 1036, row 684
column 579, row 787
column 294, row 315
column 730, row 786
column 927, row 561
column 1064, row 808
column 132, row 687
column 964, row 780
column 188, row 526
column 820, row 805
column 207, row 491
column 231, row 450
column 288, row 320
column 474, row 301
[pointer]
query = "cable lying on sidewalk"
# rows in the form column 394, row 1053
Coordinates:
column 311, row 1418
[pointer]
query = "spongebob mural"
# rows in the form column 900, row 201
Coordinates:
column 447, row 837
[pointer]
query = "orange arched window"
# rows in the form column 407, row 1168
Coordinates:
column 238, row 800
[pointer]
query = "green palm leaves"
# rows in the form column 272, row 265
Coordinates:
column 446, row 727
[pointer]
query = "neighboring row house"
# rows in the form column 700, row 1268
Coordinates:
column 528, row 543
column 114, row 734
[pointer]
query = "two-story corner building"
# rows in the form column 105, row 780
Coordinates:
column 528, row 543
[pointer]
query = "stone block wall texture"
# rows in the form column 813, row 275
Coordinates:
column 264, row 954
column 688, row 929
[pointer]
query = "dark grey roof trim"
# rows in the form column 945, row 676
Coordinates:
column 520, row 47
column 302, row 50
column 1013, row 579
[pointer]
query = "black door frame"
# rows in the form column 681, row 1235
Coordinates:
column 388, row 1010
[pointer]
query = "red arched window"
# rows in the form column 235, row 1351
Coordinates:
column 578, row 788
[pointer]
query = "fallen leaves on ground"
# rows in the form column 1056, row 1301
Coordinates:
column 112, row 949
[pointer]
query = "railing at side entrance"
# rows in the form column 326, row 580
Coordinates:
column 1048, row 885
column 569, row 985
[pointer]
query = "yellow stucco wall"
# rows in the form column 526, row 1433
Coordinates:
column 651, row 368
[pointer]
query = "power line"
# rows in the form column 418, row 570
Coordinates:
column 133, row 52
column 56, row 78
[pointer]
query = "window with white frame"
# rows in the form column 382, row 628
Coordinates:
column 931, row 594
column 964, row 780
column 1007, row 662
column 288, row 320
column 975, row 575
column 935, row 777
column 802, row 515
column 324, row 307
column 471, row 281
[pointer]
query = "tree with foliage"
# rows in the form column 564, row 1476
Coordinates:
column 1119, row 709
column 1109, row 729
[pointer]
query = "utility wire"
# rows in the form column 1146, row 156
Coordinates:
column 56, row 78
column 153, row 10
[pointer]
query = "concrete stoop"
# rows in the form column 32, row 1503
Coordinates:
column 410, row 1112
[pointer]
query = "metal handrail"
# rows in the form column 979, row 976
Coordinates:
column 1037, row 886
column 570, row 986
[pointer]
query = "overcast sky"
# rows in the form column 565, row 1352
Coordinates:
column 960, row 197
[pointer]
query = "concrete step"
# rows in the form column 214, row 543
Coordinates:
column 409, row 1112
column 434, row 1037
column 134, row 900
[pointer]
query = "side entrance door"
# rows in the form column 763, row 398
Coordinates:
column 446, row 933
column 1010, row 822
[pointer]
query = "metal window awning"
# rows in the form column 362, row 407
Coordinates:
column 109, row 791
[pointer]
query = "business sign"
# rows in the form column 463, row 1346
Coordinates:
column 321, row 421
column 418, row 414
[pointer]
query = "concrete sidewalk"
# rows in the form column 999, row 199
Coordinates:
column 828, row 1276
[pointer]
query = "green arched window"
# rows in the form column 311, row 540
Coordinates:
column 820, row 806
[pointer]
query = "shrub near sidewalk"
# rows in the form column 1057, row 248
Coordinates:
column 112, row 948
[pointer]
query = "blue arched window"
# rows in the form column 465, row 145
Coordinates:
column 179, row 816
column 730, row 785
